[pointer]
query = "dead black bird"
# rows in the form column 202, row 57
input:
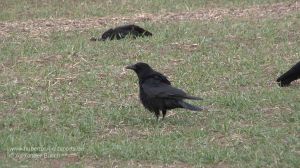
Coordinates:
column 156, row 92
column 121, row 32
column 289, row 76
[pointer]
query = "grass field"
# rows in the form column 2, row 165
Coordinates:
column 69, row 102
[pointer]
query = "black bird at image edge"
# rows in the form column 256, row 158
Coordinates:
column 156, row 93
column 289, row 76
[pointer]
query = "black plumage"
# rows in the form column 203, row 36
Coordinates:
column 156, row 92
column 289, row 76
column 120, row 32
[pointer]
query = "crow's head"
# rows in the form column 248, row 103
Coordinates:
column 140, row 68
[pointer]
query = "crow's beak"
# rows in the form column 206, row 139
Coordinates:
column 130, row 67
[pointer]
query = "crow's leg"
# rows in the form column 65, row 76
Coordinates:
column 157, row 114
column 164, row 112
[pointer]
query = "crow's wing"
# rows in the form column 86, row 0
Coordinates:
column 162, row 90
column 162, row 78
column 156, row 78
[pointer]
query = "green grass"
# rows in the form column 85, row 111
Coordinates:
column 29, row 9
column 65, row 91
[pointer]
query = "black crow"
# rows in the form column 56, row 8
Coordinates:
column 156, row 92
column 289, row 76
column 121, row 32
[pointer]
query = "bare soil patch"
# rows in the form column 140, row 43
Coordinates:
column 44, row 26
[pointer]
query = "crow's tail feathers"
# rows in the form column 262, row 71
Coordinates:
column 189, row 106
